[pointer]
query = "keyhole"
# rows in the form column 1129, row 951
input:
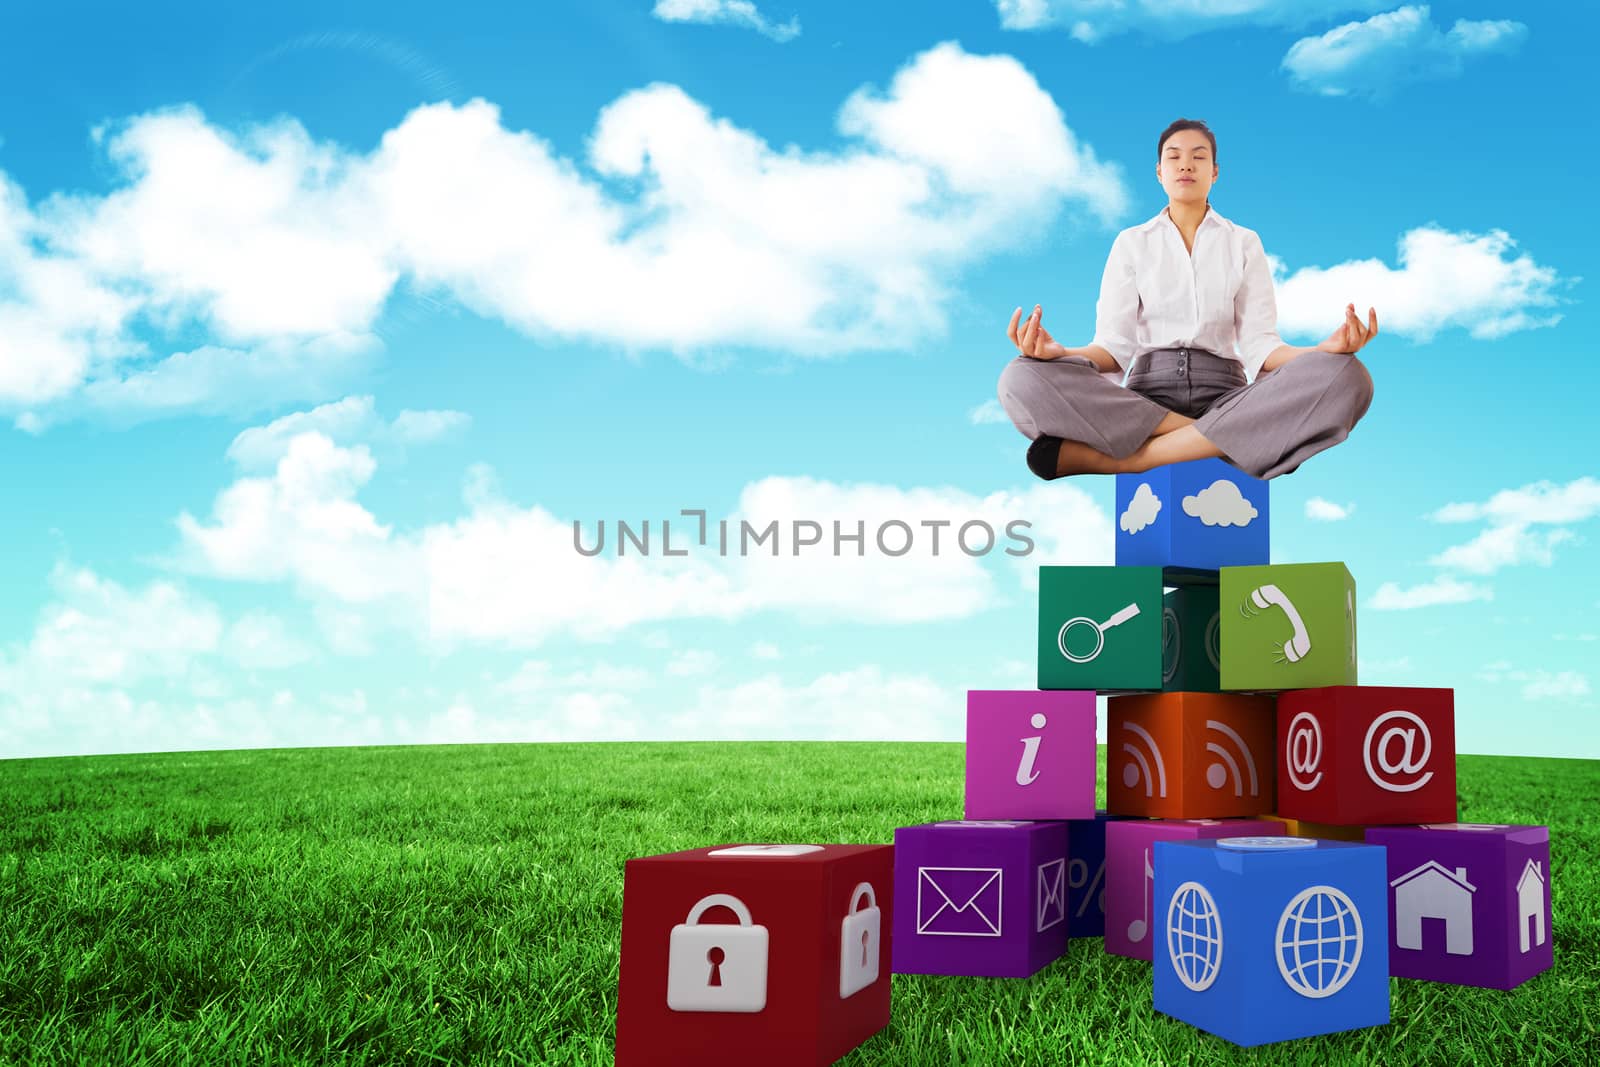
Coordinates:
column 715, row 956
column 864, row 935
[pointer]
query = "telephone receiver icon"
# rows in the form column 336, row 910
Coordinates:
column 1299, row 643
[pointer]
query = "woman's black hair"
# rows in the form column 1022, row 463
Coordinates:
column 1187, row 124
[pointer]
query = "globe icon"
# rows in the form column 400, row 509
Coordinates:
column 1194, row 936
column 1319, row 941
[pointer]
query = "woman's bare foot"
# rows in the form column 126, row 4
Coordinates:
column 1075, row 457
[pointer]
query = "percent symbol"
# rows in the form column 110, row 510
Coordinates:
column 1077, row 875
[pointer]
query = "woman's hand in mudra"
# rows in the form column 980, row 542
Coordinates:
column 1032, row 339
column 1351, row 334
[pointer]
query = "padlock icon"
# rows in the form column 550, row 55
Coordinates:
column 717, row 966
column 858, row 943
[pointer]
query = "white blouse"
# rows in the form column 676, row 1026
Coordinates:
column 1154, row 294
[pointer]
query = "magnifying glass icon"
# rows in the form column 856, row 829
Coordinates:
column 1099, row 629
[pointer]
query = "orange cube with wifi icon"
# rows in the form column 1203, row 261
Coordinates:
column 1191, row 755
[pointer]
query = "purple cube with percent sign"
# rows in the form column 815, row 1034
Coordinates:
column 1030, row 754
column 1469, row 903
column 983, row 898
column 1086, row 874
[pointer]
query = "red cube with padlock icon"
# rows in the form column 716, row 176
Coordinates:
column 1365, row 755
column 736, row 954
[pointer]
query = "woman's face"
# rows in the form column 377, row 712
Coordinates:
column 1187, row 169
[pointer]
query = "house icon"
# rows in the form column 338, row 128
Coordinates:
column 1434, row 892
column 1530, row 904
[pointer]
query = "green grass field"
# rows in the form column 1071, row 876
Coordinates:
column 452, row 904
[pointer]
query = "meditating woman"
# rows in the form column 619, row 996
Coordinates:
column 1186, row 309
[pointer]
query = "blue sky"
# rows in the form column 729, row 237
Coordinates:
column 321, row 324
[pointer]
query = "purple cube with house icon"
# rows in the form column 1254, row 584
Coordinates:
column 1030, row 754
column 1469, row 903
column 983, row 898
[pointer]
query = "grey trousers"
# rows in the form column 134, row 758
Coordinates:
column 1265, row 428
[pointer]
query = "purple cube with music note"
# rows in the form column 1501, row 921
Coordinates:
column 1030, row 754
column 1130, row 871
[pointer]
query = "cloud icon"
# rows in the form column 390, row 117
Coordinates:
column 1142, row 509
column 1220, row 504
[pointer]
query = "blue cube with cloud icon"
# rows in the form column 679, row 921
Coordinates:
column 1270, row 938
column 1200, row 515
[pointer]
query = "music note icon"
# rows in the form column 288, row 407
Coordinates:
column 1139, row 927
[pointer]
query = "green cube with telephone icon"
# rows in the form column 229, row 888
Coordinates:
column 1100, row 628
column 1287, row 626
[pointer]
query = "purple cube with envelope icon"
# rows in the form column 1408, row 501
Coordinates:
column 1469, row 903
column 983, row 898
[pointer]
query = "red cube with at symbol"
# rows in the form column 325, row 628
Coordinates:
column 739, row 954
column 1367, row 755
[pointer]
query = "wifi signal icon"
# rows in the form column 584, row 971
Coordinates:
column 1140, row 766
column 1226, row 770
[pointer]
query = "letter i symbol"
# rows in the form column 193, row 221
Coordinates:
column 1030, row 748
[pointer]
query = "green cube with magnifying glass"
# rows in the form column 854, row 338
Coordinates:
column 1288, row 626
column 1191, row 640
column 1100, row 628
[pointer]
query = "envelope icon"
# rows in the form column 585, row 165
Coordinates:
column 959, row 901
column 1051, row 894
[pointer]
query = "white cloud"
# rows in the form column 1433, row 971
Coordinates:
column 861, row 704
column 260, row 641
column 283, row 251
column 732, row 12
column 353, row 420
column 534, row 679
column 1558, row 685
column 1091, row 21
column 1220, row 504
column 989, row 411
column 1510, row 538
column 1538, row 684
column 302, row 523
column 1442, row 590
column 1375, row 57
column 692, row 662
column 98, row 632
column 215, row 380
column 1503, row 546
column 113, row 668
column 1141, row 511
column 56, row 316
column 1327, row 511
column 69, row 719
column 1537, row 502
column 1445, row 280
column 765, row 650
column 512, row 575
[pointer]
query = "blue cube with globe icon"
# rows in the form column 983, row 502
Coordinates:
column 1270, row 938
column 1203, row 514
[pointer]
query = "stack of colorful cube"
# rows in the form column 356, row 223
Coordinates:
column 1237, row 699
column 1278, row 840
